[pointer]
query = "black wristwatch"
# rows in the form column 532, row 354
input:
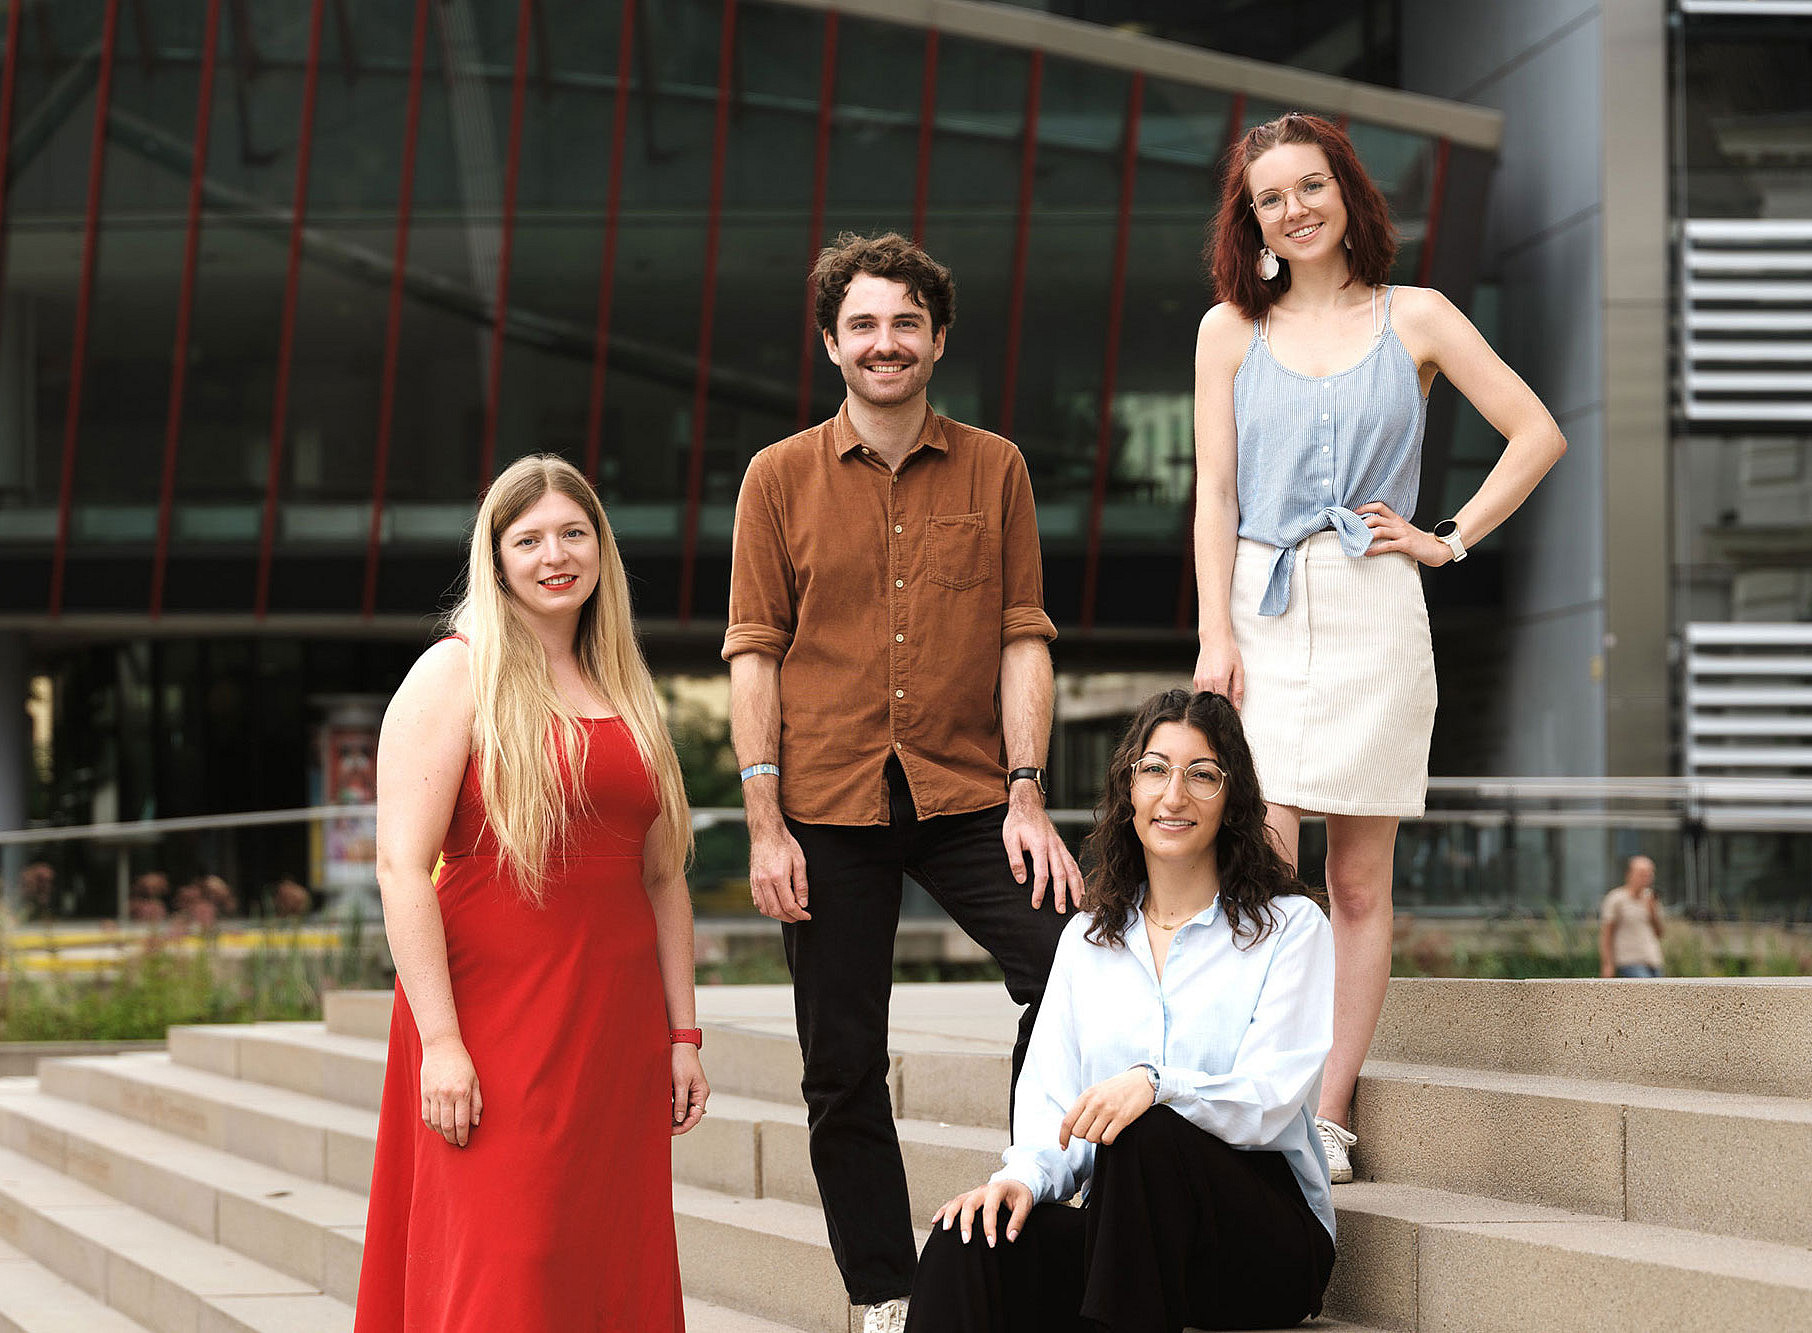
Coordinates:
column 1035, row 774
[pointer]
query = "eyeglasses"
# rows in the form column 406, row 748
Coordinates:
column 1150, row 777
column 1309, row 192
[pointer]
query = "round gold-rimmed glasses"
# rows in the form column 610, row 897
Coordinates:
column 1150, row 777
column 1309, row 191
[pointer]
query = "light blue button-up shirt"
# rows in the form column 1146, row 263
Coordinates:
column 1238, row 1035
column 1311, row 450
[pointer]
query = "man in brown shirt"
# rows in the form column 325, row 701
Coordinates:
column 888, row 672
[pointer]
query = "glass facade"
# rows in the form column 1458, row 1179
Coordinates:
column 286, row 283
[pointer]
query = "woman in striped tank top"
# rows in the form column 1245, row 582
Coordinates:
column 1311, row 387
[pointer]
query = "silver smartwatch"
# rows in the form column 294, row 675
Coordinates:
column 1449, row 531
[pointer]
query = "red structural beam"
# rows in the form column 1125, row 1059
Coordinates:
column 1437, row 190
column 393, row 323
column 292, row 282
column 15, row 13
column 921, row 190
column 1022, row 232
column 701, row 392
column 78, row 353
column 827, row 100
column 1110, row 359
column 1236, row 127
column 512, row 171
column 185, row 305
column 607, row 267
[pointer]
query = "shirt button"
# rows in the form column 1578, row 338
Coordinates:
column 1327, row 481
column 899, row 583
column 898, row 528
column 1324, row 448
column 898, row 746
column 899, row 694
column 899, row 638
column 1324, row 416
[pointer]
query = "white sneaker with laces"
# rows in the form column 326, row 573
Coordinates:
column 1336, row 1141
column 887, row 1317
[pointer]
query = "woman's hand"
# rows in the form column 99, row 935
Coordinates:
column 1218, row 668
column 987, row 1199
column 1392, row 532
column 451, row 1102
column 1102, row 1111
column 690, row 1091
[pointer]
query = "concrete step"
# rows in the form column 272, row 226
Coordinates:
column 1726, row 1163
column 303, row 1057
column 311, row 1137
column 305, row 1228
column 150, row 1271
column 1750, row 1035
column 1414, row 1258
column 35, row 1300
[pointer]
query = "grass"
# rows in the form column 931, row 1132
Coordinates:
column 156, row 986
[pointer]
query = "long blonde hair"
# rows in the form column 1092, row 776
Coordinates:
column 523, row 725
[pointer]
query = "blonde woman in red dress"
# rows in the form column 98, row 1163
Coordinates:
column 543, row 1049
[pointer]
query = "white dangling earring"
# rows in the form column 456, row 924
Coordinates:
column 1267, row 264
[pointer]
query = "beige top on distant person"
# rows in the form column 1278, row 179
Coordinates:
column 1631, row 921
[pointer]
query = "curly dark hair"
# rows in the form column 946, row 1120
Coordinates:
column 889, row 256
column 1252, row 872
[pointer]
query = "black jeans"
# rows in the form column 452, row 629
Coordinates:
column 842, row 965
column 1180, row 1230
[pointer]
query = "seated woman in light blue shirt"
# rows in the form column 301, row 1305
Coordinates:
column 1172, row 1077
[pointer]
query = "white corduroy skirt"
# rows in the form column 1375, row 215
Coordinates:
column 1340, row 688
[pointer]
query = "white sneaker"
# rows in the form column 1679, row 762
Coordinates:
column 1335, row 1142
column 887, row 1317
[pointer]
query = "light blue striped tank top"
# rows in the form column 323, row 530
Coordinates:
column 1312, row 450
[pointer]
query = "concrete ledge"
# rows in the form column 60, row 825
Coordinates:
column 1748, row 1035
column 20, row 1058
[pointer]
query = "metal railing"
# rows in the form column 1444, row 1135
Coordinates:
column 1725, row 845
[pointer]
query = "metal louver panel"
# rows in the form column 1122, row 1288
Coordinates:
column 1746, row 312
column 1748, row 699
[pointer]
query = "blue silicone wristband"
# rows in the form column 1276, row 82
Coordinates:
column 755, row 770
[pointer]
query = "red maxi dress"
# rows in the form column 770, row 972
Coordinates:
column 557, row 1217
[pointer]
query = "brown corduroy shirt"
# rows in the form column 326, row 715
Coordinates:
column 886, row 598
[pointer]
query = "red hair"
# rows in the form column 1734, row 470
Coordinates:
column 1231, row 254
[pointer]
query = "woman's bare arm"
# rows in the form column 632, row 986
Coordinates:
column 1220, row 346
column 664, row 879
column 421, row 762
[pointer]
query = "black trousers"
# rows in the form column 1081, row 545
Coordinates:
column 1179, row 1231
column 842, row 965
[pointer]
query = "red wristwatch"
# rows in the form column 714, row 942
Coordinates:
column 691, row 1036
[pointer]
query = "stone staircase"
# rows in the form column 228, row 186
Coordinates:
column 1540, row 1155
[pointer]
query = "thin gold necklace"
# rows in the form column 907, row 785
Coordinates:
column 1174, row 925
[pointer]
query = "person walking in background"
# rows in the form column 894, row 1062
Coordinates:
column 890, row 700
column 1312, row 378
column 1172, row 1075
column 1629, row 936
column 542, row 1045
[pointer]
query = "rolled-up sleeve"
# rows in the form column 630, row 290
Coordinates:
column 1022, row 564
column 1050, row 1081
column 762, row 606
column 1282, row 1052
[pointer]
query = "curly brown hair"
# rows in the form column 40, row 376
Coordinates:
column 889, row 256
column 1252, row 872
column 1235, row 240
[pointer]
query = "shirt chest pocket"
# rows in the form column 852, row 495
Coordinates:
column 957, row 551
